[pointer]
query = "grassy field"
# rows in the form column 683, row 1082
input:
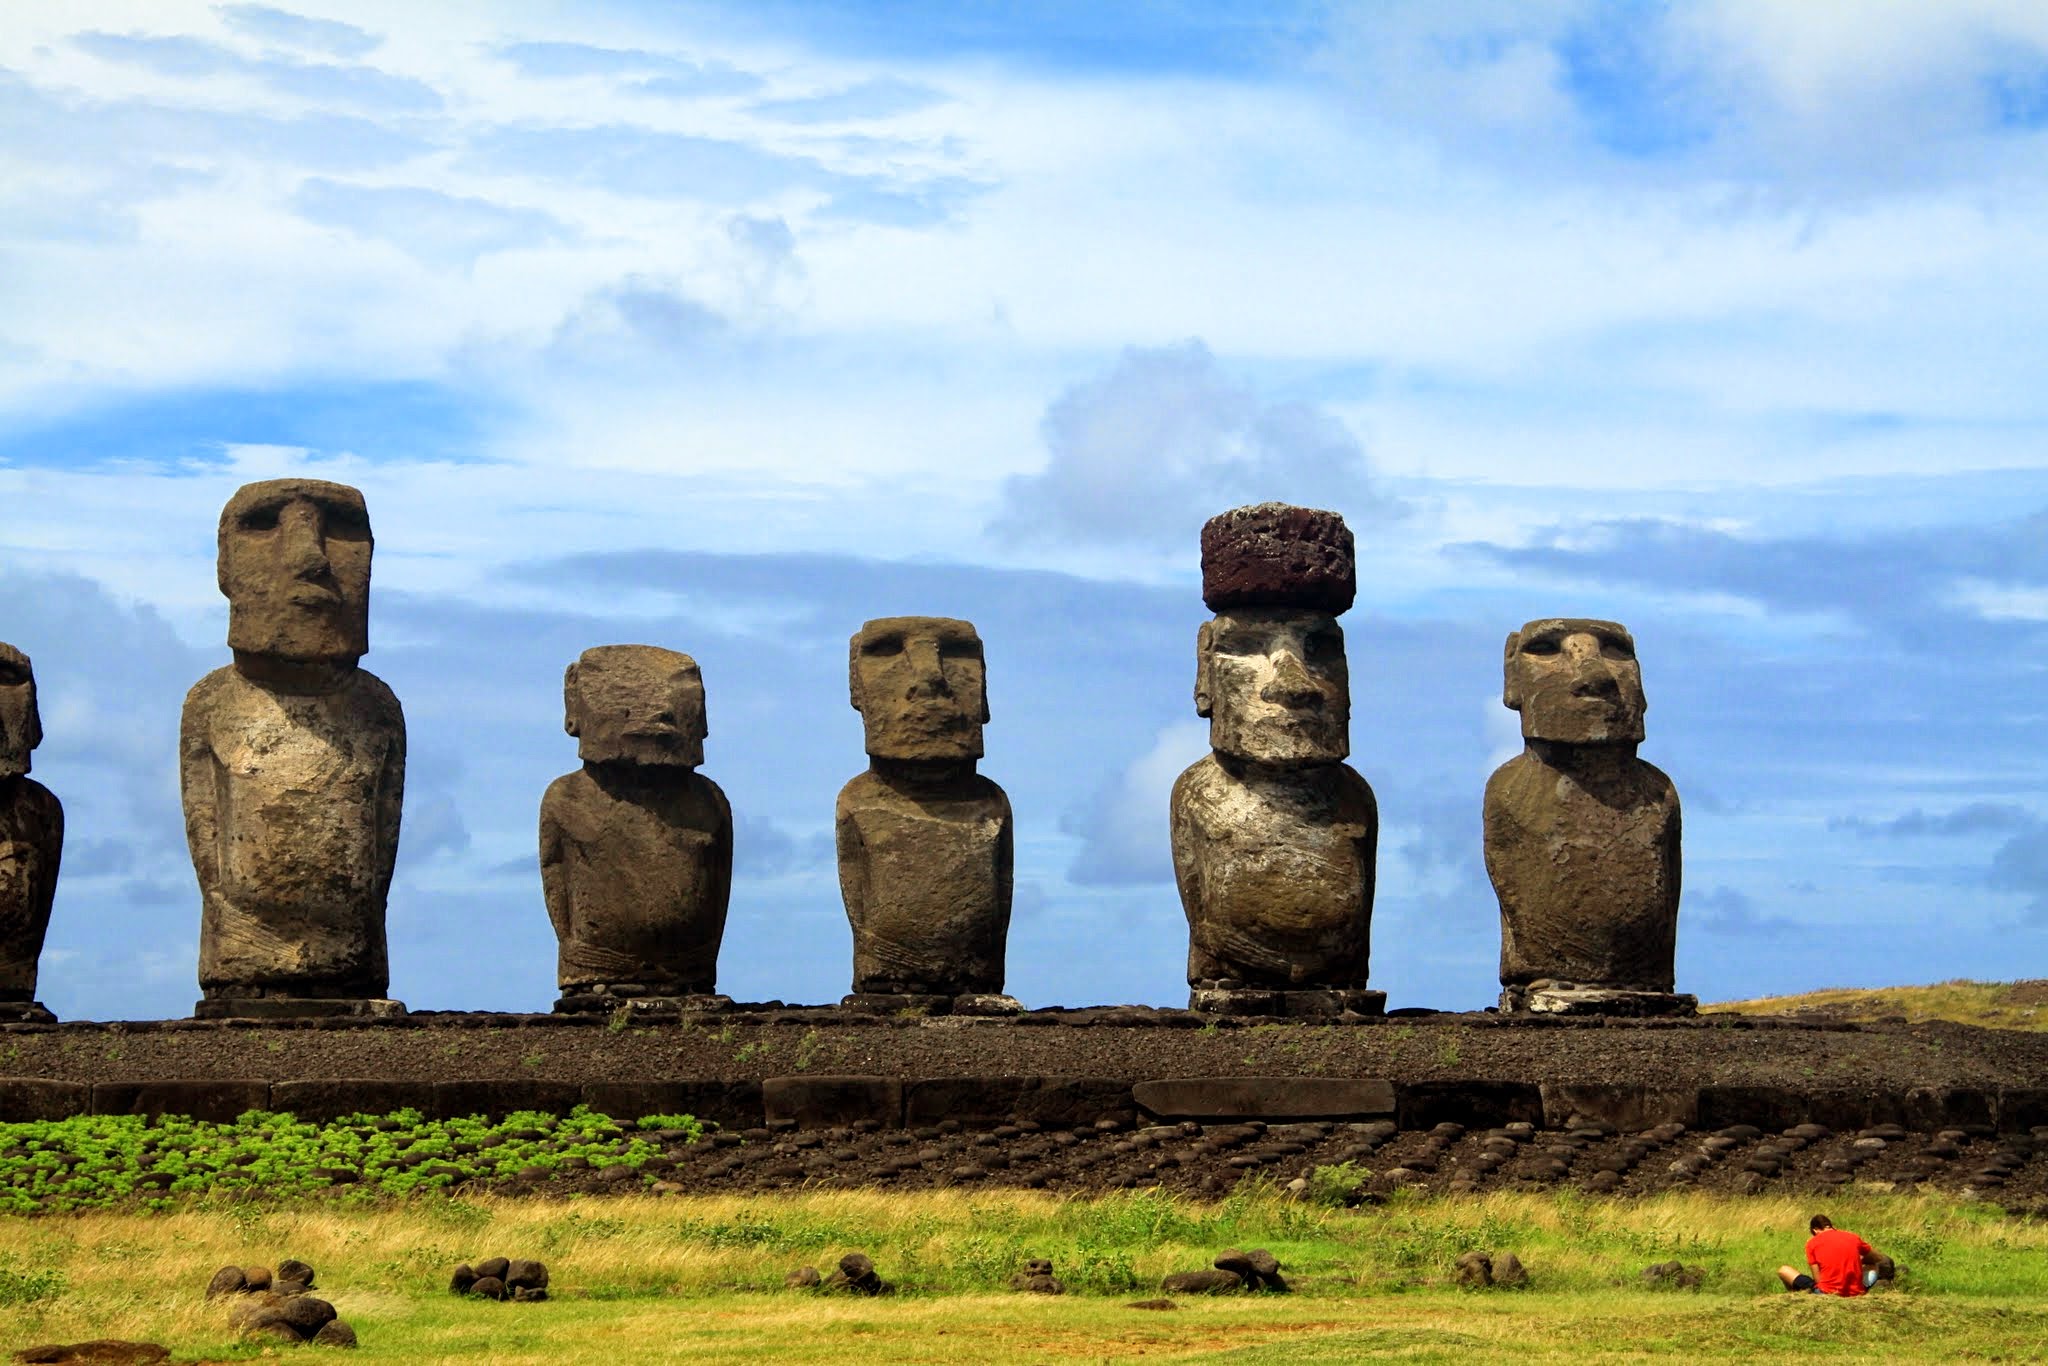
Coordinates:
column 1993, row 1005
column 640, row 1279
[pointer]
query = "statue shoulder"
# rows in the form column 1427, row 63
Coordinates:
column 375, row 695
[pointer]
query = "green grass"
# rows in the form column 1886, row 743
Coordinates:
column 1991, row 1005
column 640, row 1279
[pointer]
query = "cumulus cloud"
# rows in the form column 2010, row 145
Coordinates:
column 1726, row 911
column 880, row 98
column 298, row 30
column 1975, row 818
column 181, row 55
column 1165, row 439
column 438, row 228
column 1123, row 829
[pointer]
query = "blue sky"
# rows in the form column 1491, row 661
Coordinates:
column 725, row 327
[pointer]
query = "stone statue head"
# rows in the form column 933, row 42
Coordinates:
column 1275, row 686
column 921, row 687
column 295, row 566
column 1575, row 681
column 21, row 726
column 635, row 704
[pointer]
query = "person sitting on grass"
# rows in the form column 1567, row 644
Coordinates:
column 1838, row 1262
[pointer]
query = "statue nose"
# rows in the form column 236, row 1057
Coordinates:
column 1290, row 685
column 927, row 674
column 305, row 547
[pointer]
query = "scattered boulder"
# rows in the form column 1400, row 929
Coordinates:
column 229, row 1280
column 1258, row 1269
column 1508, row 1272
column 1214, row 1282
column 335, row 1333
column 98, row 1352
column 803, row 1278
column 493, row 1267
column 1151, row 1304
column 1674, row 1276
column 1887, row 1269
column 256, row 1277
column 526, row 1275
column 263, row 1313
column 501, row 1278
column 487, row 1288
column 1473, row 1270
column 292, row 1269
column 462, row 1280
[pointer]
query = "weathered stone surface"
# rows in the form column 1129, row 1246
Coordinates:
column 217, row 1101
column 991, row 1100
column 1274, row 836
column 1508, row 1271
column 802, row 1278
column 1425, row 1104
column 27, row 1099
column 735, row 1104
column 1278, row 555
column 256, row 1278
column 98, row 1352
column 823, row 1102
column 496, row 1099
column 1776, row 1108
column 1546, row 997
column 31, row 841
column 292, row 1269
column 1473, row 1270
column 1266, row 1097
column 292, row 759
column 1674, row 1276
column 1931, row 1108
column 1290, row 1005
column 493, row 1267
column 1211, row 1282
column 926, row 844
column 636, row 846
column 1626, row 1106
column 463, row 1278
column 323, row 1100
column 229, row 1280
column 1582, row 837
column 487, row 1288
column 526, row 1275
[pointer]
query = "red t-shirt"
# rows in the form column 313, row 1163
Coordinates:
column 1839, row 1255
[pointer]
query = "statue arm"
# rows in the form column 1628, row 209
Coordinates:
column 853, row 889
column 720, row 887
column 1188, row 839
column 390, row 800
column 46, row 894
column 554, row 879
column 198, row 790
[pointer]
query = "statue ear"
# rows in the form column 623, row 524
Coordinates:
column 1511, row 686
column 853, row 691
column 35, row 718
column 570, row 701
column 1205, row 700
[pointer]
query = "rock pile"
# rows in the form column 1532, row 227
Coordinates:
column 1232, row 1271
column 855, row 1275
column 501, row 1278
column 1477, row 1270
column 98, row 1352
column 1674, row 1276
column 1037, row 1279
column 277, row 1305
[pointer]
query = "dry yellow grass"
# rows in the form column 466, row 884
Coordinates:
column 1991, row 1005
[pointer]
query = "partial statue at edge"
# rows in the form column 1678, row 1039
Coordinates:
column 31, row 844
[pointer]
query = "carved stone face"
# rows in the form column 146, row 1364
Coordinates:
column 295, row 566
column 1275, row 686
column 636, row 704
column 21, row 728
column 921, row 686
column 1575, row 681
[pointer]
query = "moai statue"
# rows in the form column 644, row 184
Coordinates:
column 1581, row 835
column 636, row 846
column 1274, row 835
column 31, row 843
column 925, row 842
column 292, row 762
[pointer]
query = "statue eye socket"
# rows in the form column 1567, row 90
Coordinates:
column 959, row 649
column 12, row 675
column 1323, row 646
column 1614, row 649
column 886, row 645
column 344, row 523
column 259, row 519
column 1541, row 647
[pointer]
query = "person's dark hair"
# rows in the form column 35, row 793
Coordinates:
column 1819, row 1222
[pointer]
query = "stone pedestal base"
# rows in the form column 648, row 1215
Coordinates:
column 25, row 1012
column 1301, row 1005
column 651, row 1007
column 1573, row 998
column 901, row 1003
column 296, row 1008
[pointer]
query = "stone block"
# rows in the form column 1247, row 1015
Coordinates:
column 324, row 1100
column 825, row 1102
column 728, row 1104
column 2020, row 1108
column 1628, row 1107
column 1266, row 1097
column 24, row 1100
column 496, row 1099
column 1425, row 1104
column 1773, row 1108
column 216, row 1101
column 1932, row 1108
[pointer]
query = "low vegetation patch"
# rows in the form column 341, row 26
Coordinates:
column 104, row 1161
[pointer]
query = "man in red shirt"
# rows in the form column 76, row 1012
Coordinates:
column 1838, row 1262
